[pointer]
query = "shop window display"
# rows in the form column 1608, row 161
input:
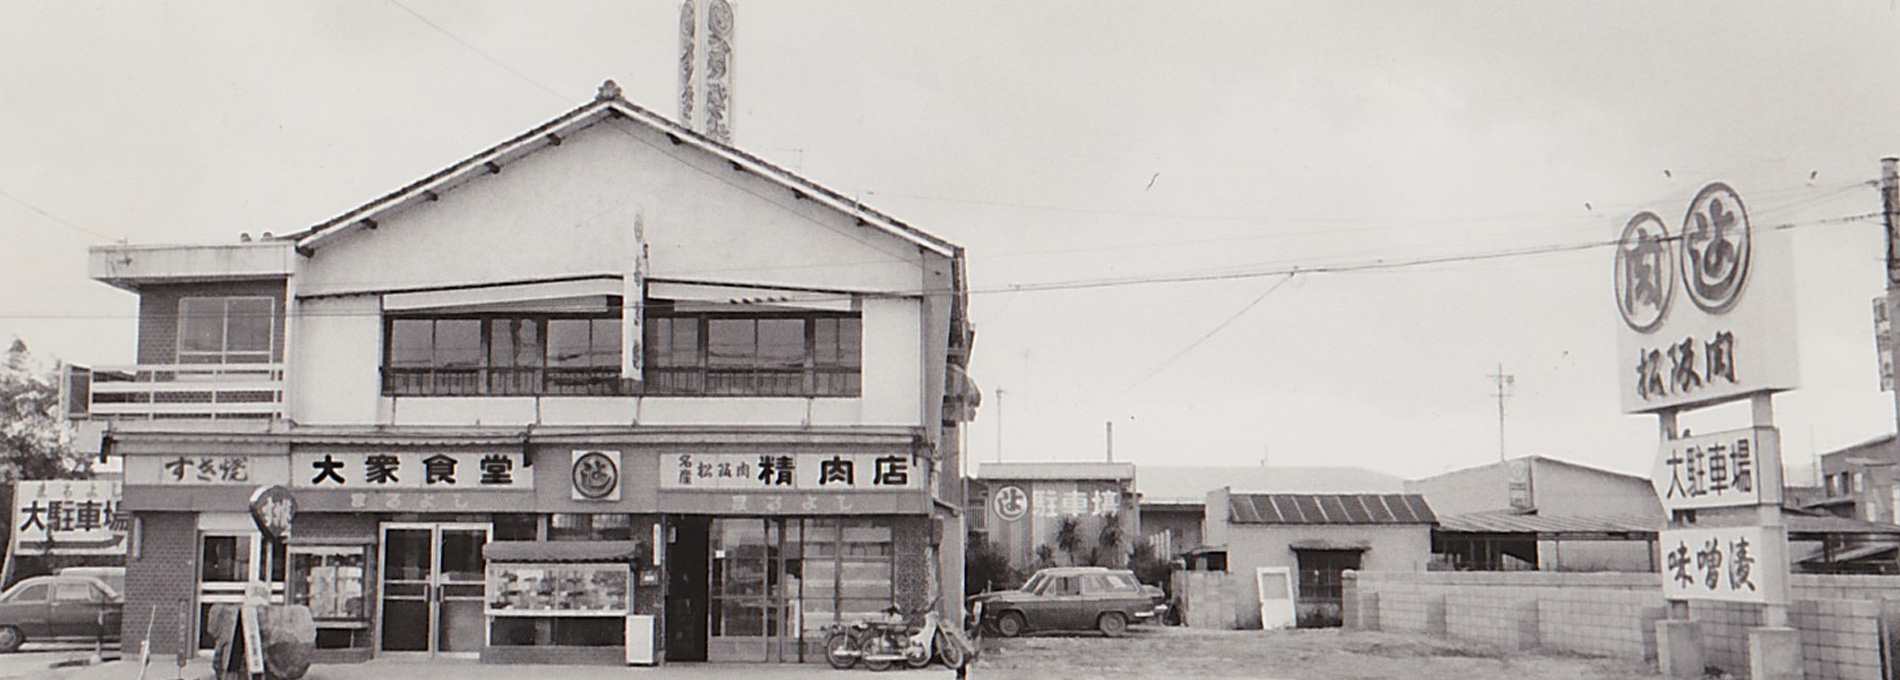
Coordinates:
column 557, row 604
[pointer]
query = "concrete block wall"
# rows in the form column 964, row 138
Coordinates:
column 1725, row 632
column 1207, row 599
column 1615, row 615
column 1839, row 638
column 161, row 582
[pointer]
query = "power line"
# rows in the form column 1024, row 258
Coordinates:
column 1197, row 341
column 1088, row 284
column 55, row 218
column 484, row 54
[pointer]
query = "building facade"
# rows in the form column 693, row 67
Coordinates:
column 607, row 392
column 1022, row 509
column 1540, row 513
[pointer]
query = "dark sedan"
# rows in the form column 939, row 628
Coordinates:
column 1072, row 598
column 68, row 608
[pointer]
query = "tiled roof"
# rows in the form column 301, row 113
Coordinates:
column 1329, row 509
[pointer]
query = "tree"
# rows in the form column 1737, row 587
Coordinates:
column 985, row 567
column 1109, row 540
column 1045, row 556
column 1069, row 536
column 34, row 443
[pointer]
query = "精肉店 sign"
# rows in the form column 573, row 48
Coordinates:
column 446, row 471
column 787, row 472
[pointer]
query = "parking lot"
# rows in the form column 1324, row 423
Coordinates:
column 1146, row 652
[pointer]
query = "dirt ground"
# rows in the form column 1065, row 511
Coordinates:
column 1324, row 654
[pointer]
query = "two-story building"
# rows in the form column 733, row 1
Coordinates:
column 608, row 391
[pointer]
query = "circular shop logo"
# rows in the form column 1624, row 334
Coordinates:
column 595, row 475
column 1715, row 248
column 1645, row 272
column 1010, row 503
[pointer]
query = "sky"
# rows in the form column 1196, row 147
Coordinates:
column 1132, row 182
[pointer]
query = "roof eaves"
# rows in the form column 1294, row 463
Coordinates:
column 579, row 116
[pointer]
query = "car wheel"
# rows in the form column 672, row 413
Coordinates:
column 1112, row 624
column 10, row 639
column 1010, row 624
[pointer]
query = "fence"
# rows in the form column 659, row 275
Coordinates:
column 1847, row 623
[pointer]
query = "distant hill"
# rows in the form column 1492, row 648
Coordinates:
column 1158, row 483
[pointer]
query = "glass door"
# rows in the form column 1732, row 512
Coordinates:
column 754, row 586
column 433, row 588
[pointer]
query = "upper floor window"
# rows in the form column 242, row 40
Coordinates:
column 777, row 354
column 789, row 354
column 226, row 330
column 503, row 355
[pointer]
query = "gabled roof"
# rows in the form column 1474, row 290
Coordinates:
column 1329, row 509
column 608, row 103
column 1056, row 471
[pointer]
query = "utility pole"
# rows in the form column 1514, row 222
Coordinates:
column 999, row 424
column 1890, row 208
column 1504, row 383
column 1111, row 440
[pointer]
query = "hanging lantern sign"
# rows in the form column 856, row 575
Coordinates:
column 272, row 507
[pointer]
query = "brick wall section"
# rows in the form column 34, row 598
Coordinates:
column 158, row 315
column 910, row 537
column 163, row 579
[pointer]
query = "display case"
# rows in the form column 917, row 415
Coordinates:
column 333, row 582
column 529, row 589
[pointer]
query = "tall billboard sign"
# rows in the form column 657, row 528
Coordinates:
column 1707, row 308
column 1719, row 470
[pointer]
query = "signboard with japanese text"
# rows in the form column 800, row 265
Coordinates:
column 1734, row 564
column 1883, row 342
column 1707, row 306
column 207, row 470
column 69, row 517
column 802, row 472
column 595, row 475
column 1025, row 515
column 431, row 470
column 273, row 508
column 1718, row 470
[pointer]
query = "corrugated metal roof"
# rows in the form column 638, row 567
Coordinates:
column 1512, row 523
column 1329, row 509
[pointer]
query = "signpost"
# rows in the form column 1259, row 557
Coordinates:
column 1707, row 315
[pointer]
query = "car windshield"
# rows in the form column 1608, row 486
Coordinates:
column 1035, row 583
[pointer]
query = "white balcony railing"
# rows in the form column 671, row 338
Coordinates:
column 156, row 391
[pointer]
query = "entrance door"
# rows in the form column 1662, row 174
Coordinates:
column 434, row 586
column 1276, row 597
column 686, row 596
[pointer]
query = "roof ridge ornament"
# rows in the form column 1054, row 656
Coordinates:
column 608, row 90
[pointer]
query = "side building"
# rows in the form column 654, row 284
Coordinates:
column 607, row 392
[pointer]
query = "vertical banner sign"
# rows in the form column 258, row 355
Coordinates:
column 1708, row 310
column 633, row 296
column 1719, row 470
column 1733, row 564
column 706, row 77
column 1883, row 341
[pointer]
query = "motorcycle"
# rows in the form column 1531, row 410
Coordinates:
column 880, row 644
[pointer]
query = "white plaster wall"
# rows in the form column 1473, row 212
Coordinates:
column 893, row 362
column 335, row 370
column 570, row 210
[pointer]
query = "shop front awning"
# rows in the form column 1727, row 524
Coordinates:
column 560, row 551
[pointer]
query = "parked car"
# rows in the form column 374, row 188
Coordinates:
column 68, row 608
column 1072, row 598
column 113, row 576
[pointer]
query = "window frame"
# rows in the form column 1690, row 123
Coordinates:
column 224, row 354
column 834, row 370
column 489, row 377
